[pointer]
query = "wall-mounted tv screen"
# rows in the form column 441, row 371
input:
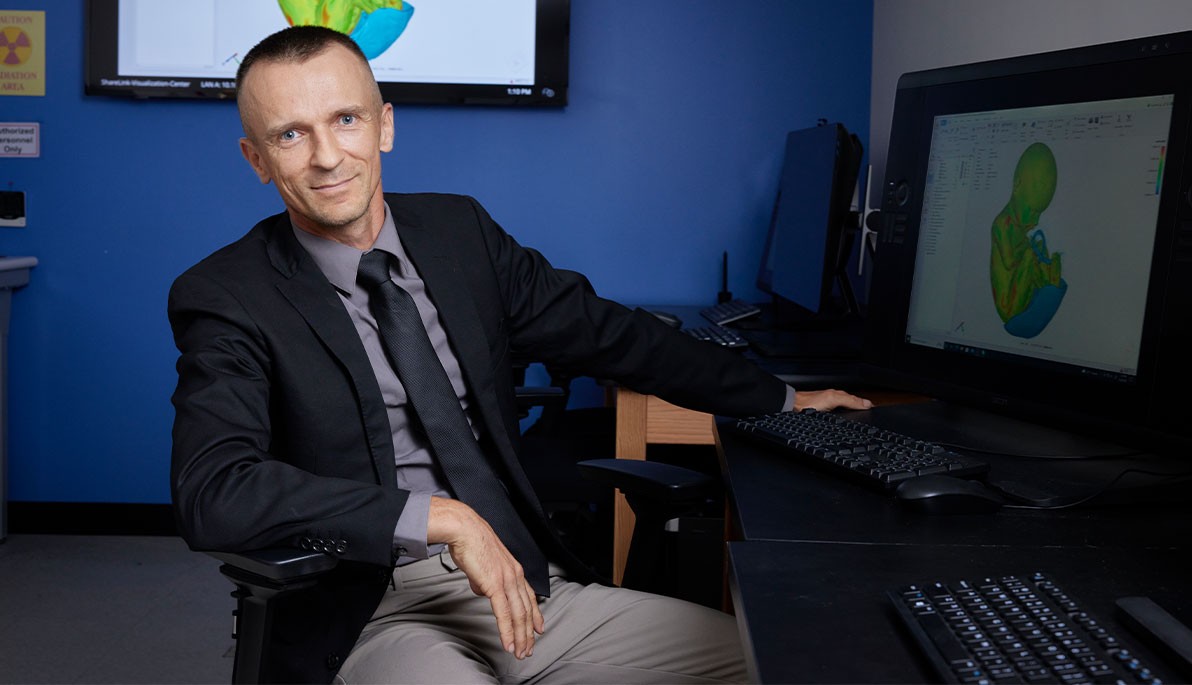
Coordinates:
column 513, row 52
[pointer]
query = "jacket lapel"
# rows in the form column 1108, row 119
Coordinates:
column 309, row 291
column 457, row 310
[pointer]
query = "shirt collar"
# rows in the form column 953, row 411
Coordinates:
column 339, row 262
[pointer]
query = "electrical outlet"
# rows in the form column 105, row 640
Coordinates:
column 12, row 208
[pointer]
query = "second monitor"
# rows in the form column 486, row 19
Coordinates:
column 807, row 247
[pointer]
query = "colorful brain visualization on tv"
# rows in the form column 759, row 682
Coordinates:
column 1026, row 277
column 373, row 24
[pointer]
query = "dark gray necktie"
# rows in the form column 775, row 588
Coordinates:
column 438, row 410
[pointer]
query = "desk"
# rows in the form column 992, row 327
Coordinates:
column 813, row 555
column 644, row 420
column 815, row 612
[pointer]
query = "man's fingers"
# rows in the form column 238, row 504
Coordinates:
column 523, row 629
column 517, row 622
column 853, row 402
column 827, row 400
column 534, row 621
column 503, row 614
column 539, row 622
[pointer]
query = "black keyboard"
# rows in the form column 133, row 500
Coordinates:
column 1022, row 629
column 728, row 312
column 719, row 335
column 878, row 457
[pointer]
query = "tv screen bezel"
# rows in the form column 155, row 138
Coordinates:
column 550, row 87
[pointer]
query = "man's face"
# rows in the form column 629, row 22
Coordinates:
column 317, row 129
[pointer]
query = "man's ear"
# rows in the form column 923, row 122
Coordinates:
column 249, row 150
column 386, row 127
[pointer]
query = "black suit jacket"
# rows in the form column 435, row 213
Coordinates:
column 281, row 437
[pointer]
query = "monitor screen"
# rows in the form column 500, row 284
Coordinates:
column 459, row 52
column 804, row 244
column 1018, row 253
column 1034, row 254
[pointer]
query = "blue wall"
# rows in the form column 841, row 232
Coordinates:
column 668, row 154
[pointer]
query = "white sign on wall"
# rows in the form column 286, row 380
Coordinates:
column 20, row 140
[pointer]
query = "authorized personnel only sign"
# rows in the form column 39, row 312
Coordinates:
column 20, row 140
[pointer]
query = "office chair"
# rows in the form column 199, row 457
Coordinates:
column 657, row 493
column 261, row 577
column 685, row 536
column 579, row 511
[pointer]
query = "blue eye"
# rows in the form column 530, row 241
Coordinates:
column 289, row 135
column 347, row 119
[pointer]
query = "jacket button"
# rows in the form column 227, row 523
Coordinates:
column 305, row 543
column 341, row 546
column 333, row 661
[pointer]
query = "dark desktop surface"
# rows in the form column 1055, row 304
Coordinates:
column 776, row 496
column 813, row 554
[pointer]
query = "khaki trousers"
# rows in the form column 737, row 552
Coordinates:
column 431, row 628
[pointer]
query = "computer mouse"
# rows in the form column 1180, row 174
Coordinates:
column 668, row 319
column 941, row 494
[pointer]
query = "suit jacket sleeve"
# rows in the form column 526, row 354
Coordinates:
column 245, row 474
column 556, row 317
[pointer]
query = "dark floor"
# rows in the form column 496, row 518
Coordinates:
column 112, row 609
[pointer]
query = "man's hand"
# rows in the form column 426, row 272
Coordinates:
column 827, row 400
column 491, row 570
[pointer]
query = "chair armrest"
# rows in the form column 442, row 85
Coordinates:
column 274, row 566
column 261, row 576
column 650, row 480
column 658, row 493
column 539, row 395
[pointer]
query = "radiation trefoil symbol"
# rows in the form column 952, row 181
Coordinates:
column 15, row 46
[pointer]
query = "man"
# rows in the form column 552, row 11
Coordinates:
column 294, row 427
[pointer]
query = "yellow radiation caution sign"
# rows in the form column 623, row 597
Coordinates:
column 22, row 53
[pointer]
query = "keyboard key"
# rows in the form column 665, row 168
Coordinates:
column 718, row 335
column 947, row 644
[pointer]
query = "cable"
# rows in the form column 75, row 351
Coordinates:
column 1167, row 478
column 995, row 453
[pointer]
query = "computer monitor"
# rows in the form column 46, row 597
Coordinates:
column 1035, row 250
column 807, row 245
